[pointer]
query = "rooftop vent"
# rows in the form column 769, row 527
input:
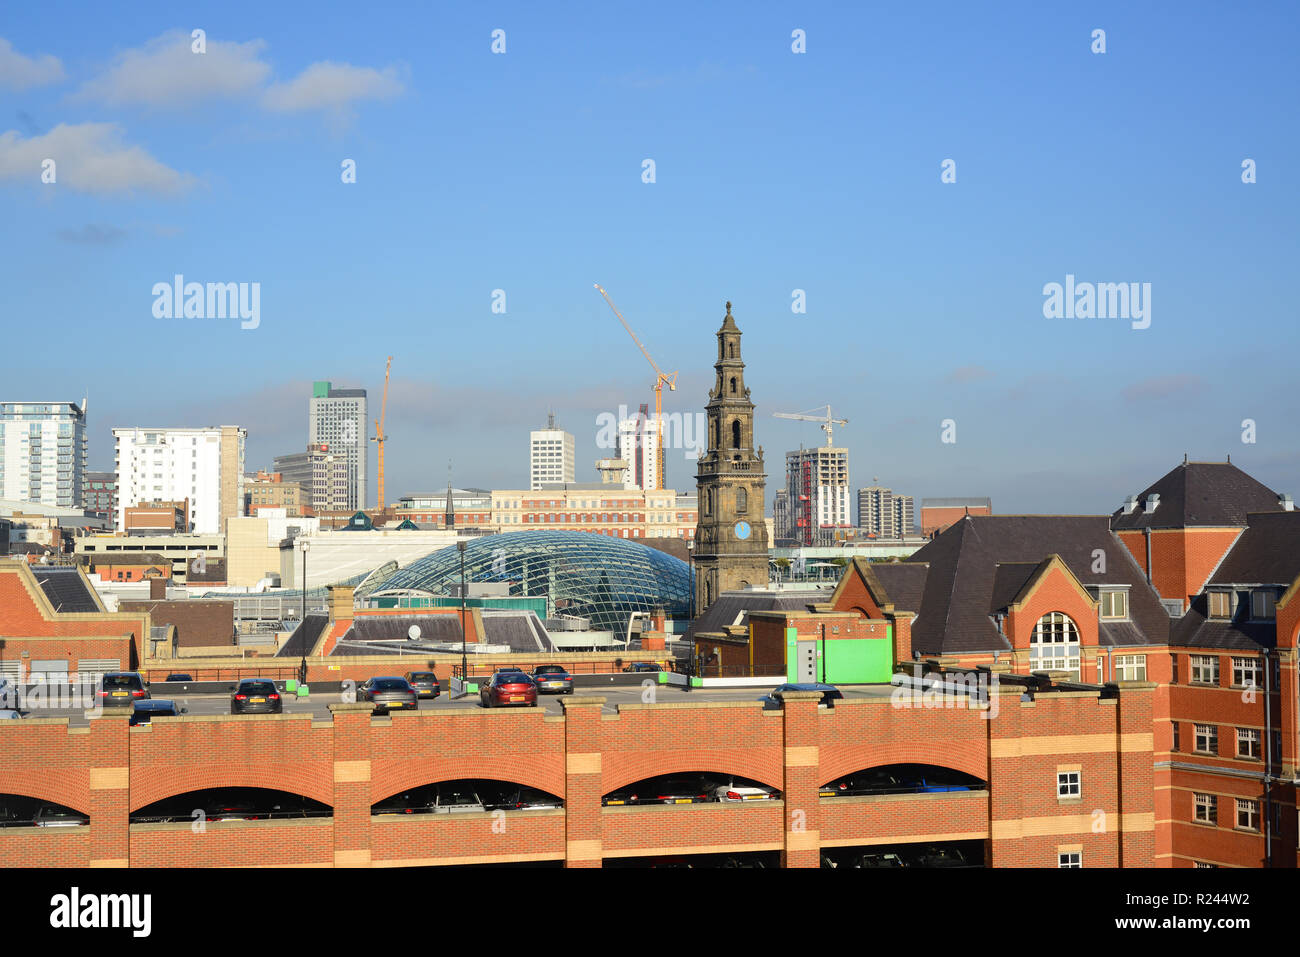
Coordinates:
column 1153, row 501
column 1130, row 504
column 1288, row 505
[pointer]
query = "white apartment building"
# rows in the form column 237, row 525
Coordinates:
column 337, row 418
column 638, row 445
column 817, row 489
column 550, row 456
column 43, row 452
column 205, row 466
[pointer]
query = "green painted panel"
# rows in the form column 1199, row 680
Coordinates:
column 791, row 659
column 858, row 660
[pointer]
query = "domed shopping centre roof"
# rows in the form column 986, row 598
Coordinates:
column 591, row 576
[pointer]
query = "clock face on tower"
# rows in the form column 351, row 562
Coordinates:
column 742, row 530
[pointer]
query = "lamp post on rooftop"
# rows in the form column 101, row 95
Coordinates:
column 464, row 661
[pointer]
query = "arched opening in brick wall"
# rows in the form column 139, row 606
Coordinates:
column 23, row 810
column 221, row 804
column 901, row 779
column 691, row 787
column 466, row 795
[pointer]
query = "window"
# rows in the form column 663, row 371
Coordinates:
column 1054, row 645
column 1261, row 603
column 1247, row 815
column 1067, row 784
column 1205, row 669
column 1248, row 743
column 1206, row 808
column 1131, row 667
column 1114, row 604
column 1220, row 604
column 1173, row 669
column 1207, row 738
column 1069, row 859
column 1175, row 747
column 1246, row 673
column 742, row 500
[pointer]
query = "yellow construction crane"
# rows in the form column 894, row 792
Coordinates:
column 826, row 421
column 380, row 438
column 660, row 380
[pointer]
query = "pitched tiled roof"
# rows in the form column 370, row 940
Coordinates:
column 733, row 605
column 1214, row 494
column 1195, row 630
column 904, row 583
column 65, row 588
column 1267, row 553
column 979, row 564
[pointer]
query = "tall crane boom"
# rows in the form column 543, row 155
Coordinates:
column 827, row 423
column 380, row 437
column 661, row 378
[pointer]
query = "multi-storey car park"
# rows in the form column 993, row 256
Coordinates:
column 1142, row 741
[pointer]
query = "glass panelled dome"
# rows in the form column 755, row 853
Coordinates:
column 592, row 576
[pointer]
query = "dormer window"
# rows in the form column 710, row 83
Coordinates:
column 1114, row 603
column 1261, row 604
column 1220, row 604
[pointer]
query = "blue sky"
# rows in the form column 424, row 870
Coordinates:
column 775, row 171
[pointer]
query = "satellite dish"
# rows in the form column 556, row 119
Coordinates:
column 413, row 633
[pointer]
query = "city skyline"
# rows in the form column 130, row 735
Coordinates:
column 781, row 180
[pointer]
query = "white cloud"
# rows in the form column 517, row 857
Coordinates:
column 167, row 73
column 17, row 72
column 333, row 86
column 89, row 158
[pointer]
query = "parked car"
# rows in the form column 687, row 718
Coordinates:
column 55, row 815
column 934, row 787
column 425, row 683
column 864, row 782
column 553, row 679
column 404, row 803
column 733, row 793
column 507, row 688
column 146, row 711
column 179, row 676
column 387, row 693
column 621, row 798
column 121, row 689
column 675, row 790
column 929, row 856
column 830, row 694
column 457, row 799
column 521, row 799
column 642, row 666
column 876, row 859
column 256, row 696
column 9, row 713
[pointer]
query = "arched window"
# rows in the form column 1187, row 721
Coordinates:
column 731, row 350
column 1054, row 645
column 733, row 385
column 708, row 503
column 742, row 500
column 735, row 433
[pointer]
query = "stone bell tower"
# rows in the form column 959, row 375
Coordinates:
column 731, row 535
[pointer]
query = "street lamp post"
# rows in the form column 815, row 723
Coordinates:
column 302, row 667
column 464, row 661
column 690, row 563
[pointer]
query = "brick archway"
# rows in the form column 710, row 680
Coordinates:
column 622, row 770
column 394, row 777
column 149, row 785
column 967, row 759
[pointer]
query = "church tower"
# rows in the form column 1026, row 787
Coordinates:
column 731, row 535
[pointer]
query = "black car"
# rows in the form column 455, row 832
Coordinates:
column 621, row 798
column 866, row 782
column 122, row 689
column 830, row 694
column 639, row 666
column 388, row 693
column 512, row 798
column 675, row 790
column 179, row 676
column 552, row 679
column 146, row 711
column 256, row 696
column 425, row 683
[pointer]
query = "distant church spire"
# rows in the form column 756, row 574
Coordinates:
column 450, row 517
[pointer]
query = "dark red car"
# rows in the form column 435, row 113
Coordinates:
column 507, row 688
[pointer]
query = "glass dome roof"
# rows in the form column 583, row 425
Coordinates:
column 591, row 576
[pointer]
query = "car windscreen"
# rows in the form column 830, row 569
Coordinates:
column 257, row 687
column 421, row 676
column 121, row 681
column 390, row 684
column 512, row 678
column 551, row 670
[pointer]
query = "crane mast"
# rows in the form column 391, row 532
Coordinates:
column 661, row 378
column 379, row 437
